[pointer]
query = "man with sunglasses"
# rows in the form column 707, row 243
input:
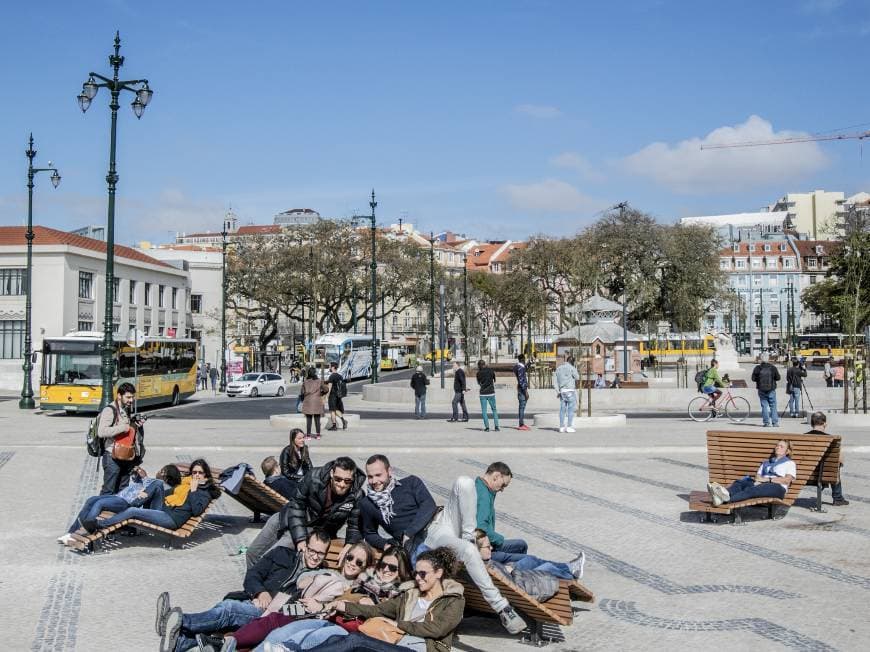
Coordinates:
column 277, row 572
column 327, row 497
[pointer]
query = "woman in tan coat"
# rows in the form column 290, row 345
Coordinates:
column 312, row 392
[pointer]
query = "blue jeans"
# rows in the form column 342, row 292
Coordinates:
column 459, row 402
column 87, row 517
column 227, row 614
column 768, row 407
column 154, row 516
column 303, row 634
column 567, row 407
column 555, row 568
column 488, row 400
column 745, row 488
column 510, row 550
column 521, row 398
column 116, row 475
column 420, row 406
column 794, row 401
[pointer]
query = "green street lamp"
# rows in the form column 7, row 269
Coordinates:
column 432, row 298
column 465, row 306
column 143, row 93
column 223, row 385
column 27, row 402
column 374, row 267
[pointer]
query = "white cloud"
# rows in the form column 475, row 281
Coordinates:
column 550, row 196
column 686, row 168
column 539, row 111
column 578, row 163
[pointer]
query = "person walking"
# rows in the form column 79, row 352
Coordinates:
column 565, row 381
column 203, row 376
column 828, row 373
column 312, row 392
column 522, row 377
column 765, row 376
column 213, row 376
column 459, row 389
column 486, row 383
column 839, row 375
column 793, row 384
column 335, row 398
column 419, row 381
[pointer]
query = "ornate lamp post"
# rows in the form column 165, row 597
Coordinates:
column 27, row 402
column 139, row 87
column 432, row 298
column 465, row 307
column 374, row 267
column 223, row 385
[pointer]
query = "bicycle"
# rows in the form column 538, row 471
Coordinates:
column 736, row 408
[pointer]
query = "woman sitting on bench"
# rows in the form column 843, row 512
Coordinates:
column 771, row 481
column 188, row 499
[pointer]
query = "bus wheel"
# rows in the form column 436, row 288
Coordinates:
column 175, row 395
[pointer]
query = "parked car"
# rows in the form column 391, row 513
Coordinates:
column 257, row 384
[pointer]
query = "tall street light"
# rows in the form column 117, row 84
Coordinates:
column 465, row 307
column 432, row 298
column 374, row 297
column 223, row 385
column 142, row 92
column 26, row 402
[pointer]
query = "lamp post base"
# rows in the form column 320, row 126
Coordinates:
column 27, row 403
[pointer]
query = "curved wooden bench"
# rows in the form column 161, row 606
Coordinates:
column 253, row 494
column 734, row 454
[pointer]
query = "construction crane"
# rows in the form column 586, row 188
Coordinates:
column 861, row 135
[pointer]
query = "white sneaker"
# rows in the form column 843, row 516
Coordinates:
column 561, row 428
column 720, row 494
column 570, row 429
column 65, row 538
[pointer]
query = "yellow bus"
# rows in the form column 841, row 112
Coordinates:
column 165, row 371
column 676, row 345
column 824, row 345
column 397, row 355
column 543, row 351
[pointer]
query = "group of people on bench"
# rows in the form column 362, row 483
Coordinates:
column 290, row 602
column 167, row 501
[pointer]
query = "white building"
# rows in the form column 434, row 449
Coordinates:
column 733, row 225
column 813, row 214
column 69, row 292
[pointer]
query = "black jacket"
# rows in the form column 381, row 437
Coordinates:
column 419, row 382
column 486, row 381
column 413, row 507
column 306, row 509
column 459, row 380
column 756, row 374
column 290, row 464
column 794, row 377
column 284, row 486
column 194, row 505
column 276, row 571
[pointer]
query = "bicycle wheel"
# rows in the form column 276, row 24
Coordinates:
column 737, row 409
column 699, row 409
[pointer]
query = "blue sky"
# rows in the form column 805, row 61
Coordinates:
column 497, row 119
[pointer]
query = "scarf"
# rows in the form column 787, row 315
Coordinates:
column 383, row 499
column 179, row 495
column 768, row 466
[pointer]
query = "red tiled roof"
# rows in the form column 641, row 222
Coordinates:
column 480, row 255
column 257, row 229
column 743, row 248
column 808, row 247
column 43, row 235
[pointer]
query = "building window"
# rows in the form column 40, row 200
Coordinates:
column 783, row 247
column 767, row 247
column 724, row 263
column 740, row 263
column 160, row 330
column 772, row 282
column 175, row 298
column 147, row 294
column 788, row 263
column 86, row 326
column 196, row 303
column 116, row 327
column 813, row 279
column 161, row 292
column 116, row 289
column 771, row 263
column 86, row 285
column 774, row 321
column 12, row 282
column 131, row 295
column 812, row 263
column 195, row 335
column 756, row 263
column 11, row 338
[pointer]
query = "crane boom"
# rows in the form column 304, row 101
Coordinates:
column 787, row 141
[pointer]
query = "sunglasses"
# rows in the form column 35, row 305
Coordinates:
column 359, row 563
column 393, row 568
column 347, row 481
column 421, row 574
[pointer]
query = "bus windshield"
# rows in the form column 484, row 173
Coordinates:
column 71, row 363
column 329, row 353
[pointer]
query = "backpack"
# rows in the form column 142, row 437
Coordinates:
column 699, row 378
column 765, row 378
column 97, row 445
column 341, row 390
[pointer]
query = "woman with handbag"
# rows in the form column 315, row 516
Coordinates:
column 392, row 575
column 422, row 618
column 188, row 499
column 311, row 394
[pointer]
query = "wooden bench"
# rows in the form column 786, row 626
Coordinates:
column 734, row 454
column 253, row 494
column 828, row 471
column 557, row 610
column 86, row 541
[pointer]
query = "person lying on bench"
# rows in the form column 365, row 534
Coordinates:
column 318, row 587
column 277, row 572
column 133, row 495
column 275, row 480
column 572, row 570
column 771, row 481
column 496, row 479
column 391, row 576
column 188, row 499
column 422, row 618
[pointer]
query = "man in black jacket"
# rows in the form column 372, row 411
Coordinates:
column 419, row 382
column 819, row 423
column 328, row 497
column 459, row 389
column 765, row 376
column 794, row 381
column 275, row 573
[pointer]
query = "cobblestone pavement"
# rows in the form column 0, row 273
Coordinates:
column 661, row 578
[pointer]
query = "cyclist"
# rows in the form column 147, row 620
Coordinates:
column 712, row 381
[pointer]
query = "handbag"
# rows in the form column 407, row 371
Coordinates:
column 124, row 449
column 381, row 629
column 350, row 625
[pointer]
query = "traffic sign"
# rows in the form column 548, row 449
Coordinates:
column 135, row 338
